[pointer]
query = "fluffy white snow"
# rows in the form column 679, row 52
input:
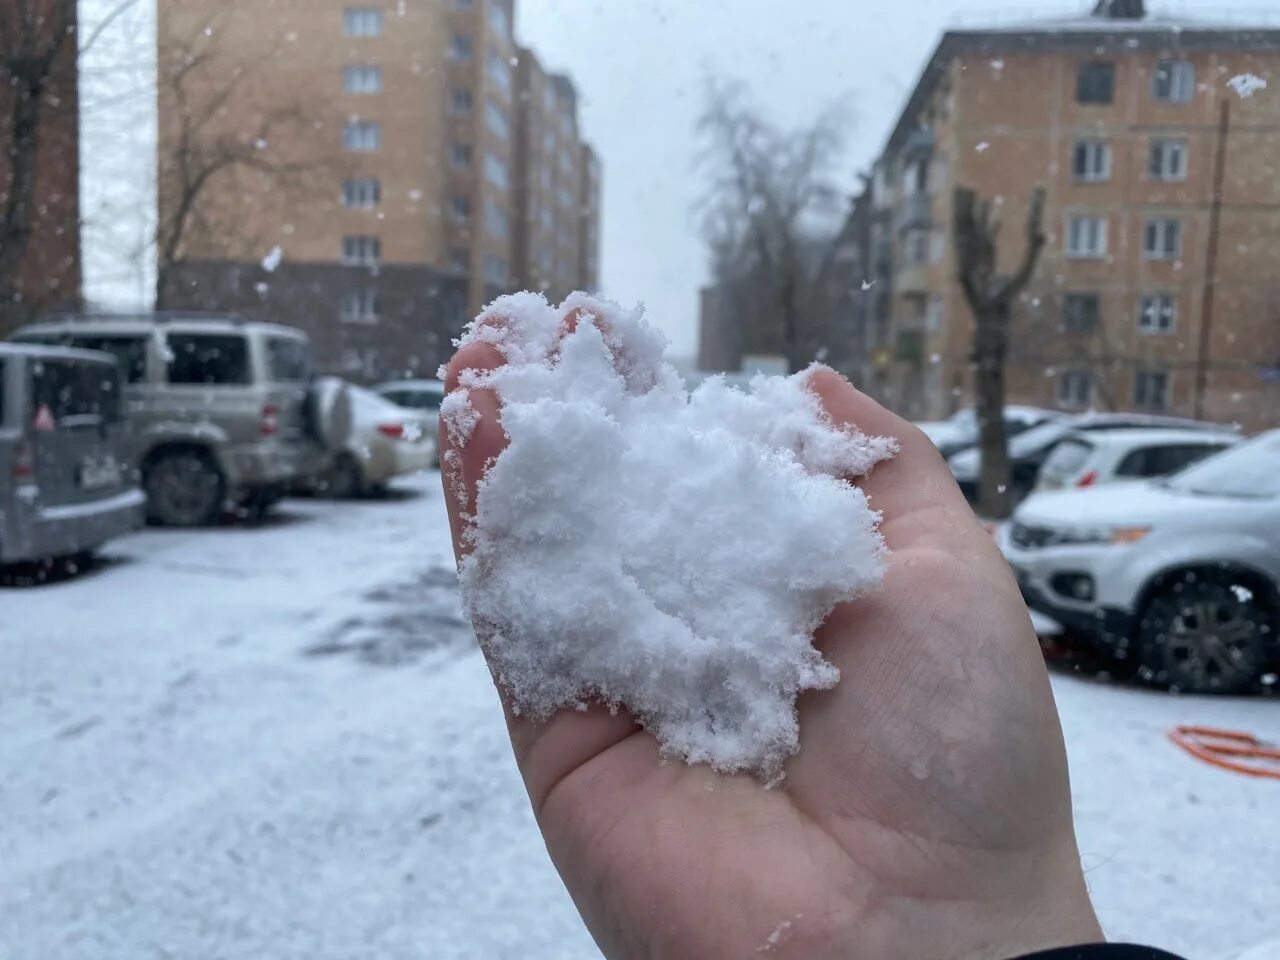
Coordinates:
column 1247, row 84
column 664, row 552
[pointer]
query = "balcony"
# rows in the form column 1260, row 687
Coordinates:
column 915, row 210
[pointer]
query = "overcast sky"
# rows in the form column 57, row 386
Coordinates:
column 639, row 67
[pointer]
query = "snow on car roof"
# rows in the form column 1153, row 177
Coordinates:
column 1136, row 436
column 433, row 386
column 46, row 352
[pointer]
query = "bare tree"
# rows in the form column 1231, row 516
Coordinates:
column 991, row 297
column 220, row 126
column 36, row 43
column 763, row 214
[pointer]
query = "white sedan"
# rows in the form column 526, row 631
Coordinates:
column 387, row 441
column 1181, row 575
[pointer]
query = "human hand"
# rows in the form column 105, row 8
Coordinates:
column 928, row 813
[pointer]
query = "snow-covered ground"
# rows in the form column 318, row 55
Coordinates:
column 280, row 742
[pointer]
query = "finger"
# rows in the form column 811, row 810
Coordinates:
column 915, row 491
column 463, row 460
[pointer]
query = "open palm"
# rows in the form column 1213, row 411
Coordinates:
column 928, row 812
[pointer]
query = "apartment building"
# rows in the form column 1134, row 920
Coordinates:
column 369, row 192
column 1159, row 288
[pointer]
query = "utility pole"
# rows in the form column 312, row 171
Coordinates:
column 1211, row 255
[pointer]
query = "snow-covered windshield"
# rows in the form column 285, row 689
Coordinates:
column 1249, row 470
column 1037, row 438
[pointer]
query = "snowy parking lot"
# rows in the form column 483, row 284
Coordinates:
column 279, row 741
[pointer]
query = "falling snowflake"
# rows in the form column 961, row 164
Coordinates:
column 867, row 285
column 983, row 147
column 1243, row 593
column 997, row 64
column 262, row 288
column 271, row 262
column 1246, row 84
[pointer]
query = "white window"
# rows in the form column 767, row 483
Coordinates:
column 495, row 271
column 496, row 120
column 361, row 194
column 1151, row 389
column 362, row 79
column 915, row 247
column 499, row 71
column 460, row 101
column 1075, row 388
column 363, row 251
column 1086, row 237
column 461, row 48
column 1168, row 160
column 495, row 170
column 362, row 136
column 1091, row 161
column 495, row 219
column 460, row 208
column 362, row 21
column 1162, row 238
column 461, row 155
column 1157, row 313
column 360, row 306
column 934, row 318
column 499, row 19
column 1174, row 81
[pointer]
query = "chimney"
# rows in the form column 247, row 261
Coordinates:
column 1120, row 9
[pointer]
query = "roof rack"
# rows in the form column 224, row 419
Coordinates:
column 151, row 316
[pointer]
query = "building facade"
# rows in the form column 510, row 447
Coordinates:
column 1159, row 288
column 369, row 186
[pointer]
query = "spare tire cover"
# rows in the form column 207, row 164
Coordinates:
column 329, row 412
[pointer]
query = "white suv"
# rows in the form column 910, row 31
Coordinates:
column 1092, row 458
column 1181, row 574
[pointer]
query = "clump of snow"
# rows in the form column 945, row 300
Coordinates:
column 655, row 550
column 1246, row 84
column 271, row 262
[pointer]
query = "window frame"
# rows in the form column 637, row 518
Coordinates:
column 1073, row 252
column 1071, row 398
column 361, row 193
column 361, row 305
column 1094, row 98
column 362, row 80
column 1102, row 149
column 1177, row 69
column 363, row 22
column 361, row 250
column 1160, row 146
column 1168, row 308
column 1161, row 226
column 1142, row 381
column 1071, row 322
column 362, row 136
column 171, row 355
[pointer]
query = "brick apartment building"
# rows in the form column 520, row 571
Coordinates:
column 49, row 274
column 380, row 145
column 1126, row 119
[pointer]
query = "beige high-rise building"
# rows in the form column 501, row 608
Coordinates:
column 360, row 170
column 1127, row 120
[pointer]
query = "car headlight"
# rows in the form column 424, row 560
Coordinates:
column 1108, row 535
column 1129, row 534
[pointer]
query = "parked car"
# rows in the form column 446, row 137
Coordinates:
column 225, row 411
column 1028, row 451
column 67, row 485
column 960, row 430
column 1089, row 458
column 387, row 441
column 1181, row 575
column 423, row 395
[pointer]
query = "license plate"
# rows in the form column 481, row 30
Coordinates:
column 96, row 474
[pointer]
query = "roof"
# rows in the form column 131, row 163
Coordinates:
column 42, row 351
column 432, row 386
column 1131, row 421
column 1082, row 32
column 1133, row 436
column 145, row 323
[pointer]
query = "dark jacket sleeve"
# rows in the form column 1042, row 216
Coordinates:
column 1102, row 951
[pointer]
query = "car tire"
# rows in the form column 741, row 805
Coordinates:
column 1204, row 633
column 345, row 478
column 184, row 488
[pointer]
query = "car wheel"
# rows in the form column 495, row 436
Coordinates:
column 345, row 479
column 1204, row 634
column 184, row 489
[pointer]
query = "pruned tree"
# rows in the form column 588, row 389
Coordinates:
column 37, row 41
column 991, row 296
column 217, row 124
column 772, row 215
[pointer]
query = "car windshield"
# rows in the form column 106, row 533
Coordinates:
column 289, row 359
column 1250, row 471
column 1038, row 438
column 1067, row 457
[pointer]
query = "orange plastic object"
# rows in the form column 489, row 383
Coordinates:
column 1230, row 750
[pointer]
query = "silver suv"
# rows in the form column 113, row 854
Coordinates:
column 225, row 411
column 66, row 483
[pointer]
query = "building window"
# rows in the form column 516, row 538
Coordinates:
column 496, row 120
column 1168, row 160
column 499, row 71
column 460, row 208
column 495, row 219
column 1157, row 313
column 1091, row 161
column 1096, row 82
column 1080, row 312
column 915, row 247
column 1162, row 238
column 461, row 48
column 495, row 170
column 362, row 136
column 362, row 21
column 460, row 101
column 495, row 271
column 361, row 194
column 499, row 19
column 361, row 251
column 1174, row 81
column 461, row 155
column 460, row 260
column 362, row 79
column 1075, row 388
column 1086, row 237
column 360, row 306
column 1151, row 389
